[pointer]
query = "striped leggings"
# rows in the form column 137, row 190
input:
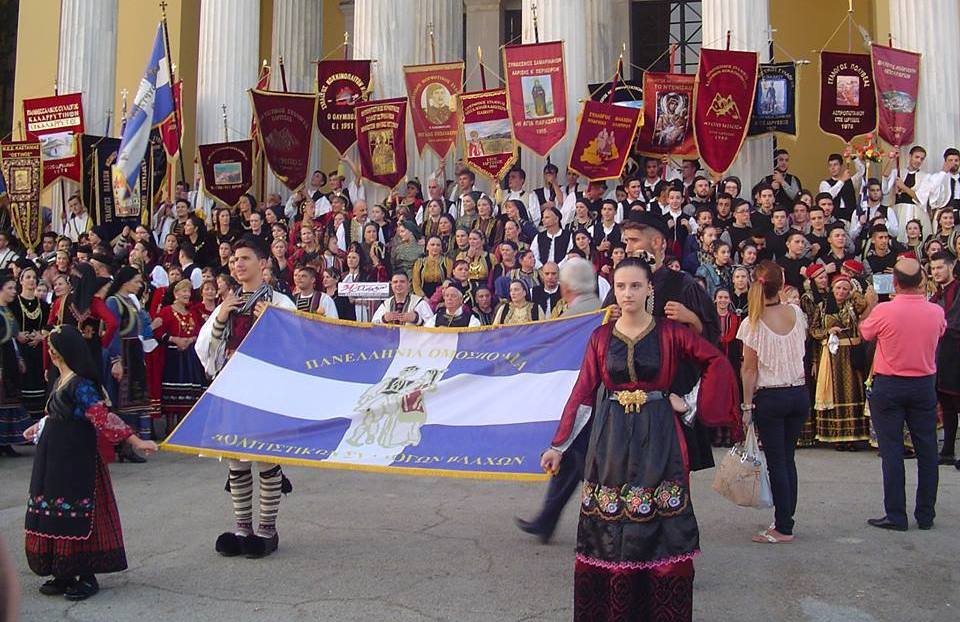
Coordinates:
column 241, row 491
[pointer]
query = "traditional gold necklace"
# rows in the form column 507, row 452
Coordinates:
column 26, row 314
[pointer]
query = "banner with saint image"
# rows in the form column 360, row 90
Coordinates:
column 725, row 87
column 227, row 170
column 56, row 122
column 99, row 154
column 285, row 122
column 848, row 99
column 775, row 102
column 537, row 91
column 489, row 145
column 382, row 140
column 341, row 85
column 897, row 74
column 604, row 137
column 667, row 116
column 432, row 92
column 22, row 170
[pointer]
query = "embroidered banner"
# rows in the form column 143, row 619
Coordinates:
column 537, row 92
column 604, row 137
column 489, row 145
column 432, row 93
column 667, row 115
column 725, row 87
column 342, row 85
column 285, row 122
column 56, row 122
column 99, row 154
column 21, row 167
column 397, row 399
column 169, row 130
column 775, row 102
column 227, row 170
column 627, row 93
column 382, row 140
column 848, row 101
column 897, row 74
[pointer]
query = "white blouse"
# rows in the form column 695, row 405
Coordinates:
column 779, row 357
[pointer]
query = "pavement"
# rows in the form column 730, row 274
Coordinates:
column 364, row 546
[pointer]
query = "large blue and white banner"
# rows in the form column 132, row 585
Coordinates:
column 480, row 403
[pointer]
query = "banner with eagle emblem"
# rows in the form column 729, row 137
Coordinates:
column 723, row 101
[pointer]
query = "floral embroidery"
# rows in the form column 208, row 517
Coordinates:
column 60, row 507
column 635, row 503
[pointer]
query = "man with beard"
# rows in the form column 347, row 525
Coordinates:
column 786, row 187
column 944, row 187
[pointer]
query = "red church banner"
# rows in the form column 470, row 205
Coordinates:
column 667, row 115
column 227, row 170
column 604, row 137
column 897, row 74
column 723, row 99
column 285, row 122
column 848, row 100
column 536, row 89
column 382, row 140
column 489, row 146
column 169, row 131
column 432, row 93
column 341, row 84
column 57, row 123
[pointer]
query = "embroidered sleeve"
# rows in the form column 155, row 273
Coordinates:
column 85, row 395
column 108, row 425
column 716, row 402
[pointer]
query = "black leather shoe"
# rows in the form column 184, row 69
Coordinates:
column 925, row 526
column 82, row 589
column 885, row 523
column 947, row 460
column 255, row 547
column 57, row 586
column 229, row 544
column 530, row 528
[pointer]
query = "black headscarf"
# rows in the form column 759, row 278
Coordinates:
column 124, row 275
column 73, row 349
column 84, row 286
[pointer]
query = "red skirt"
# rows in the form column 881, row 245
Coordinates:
column 102, row 551
column 660, row 594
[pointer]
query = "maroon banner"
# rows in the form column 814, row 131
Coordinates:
column 723, row 100
column 285, row 123
column 848, row 100
column 21, row 169
column 56, row 122
column 490, row 148
column 604, row 137
column 897, row 75
column 432, row 92
column 382, row 140
column 667, row 115
column 168, row 129
column 341, row 84
column 537, row 92
column 227, row 170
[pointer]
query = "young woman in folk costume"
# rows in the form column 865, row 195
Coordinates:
column 81, row 308
column 638, row 535
column 72, row 526
column 31, row 314
column 13, row 418
column 183, row 377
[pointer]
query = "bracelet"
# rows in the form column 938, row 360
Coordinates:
column 747, row 407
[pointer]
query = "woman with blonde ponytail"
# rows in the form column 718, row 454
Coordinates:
column 774, row 392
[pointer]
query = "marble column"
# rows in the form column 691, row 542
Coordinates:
column 297, row 37
column 484, row 30
column 346, row 8
column 930, row 27
column 227, row 67
column 603, row 46
column 87, row 64
column 747, row 21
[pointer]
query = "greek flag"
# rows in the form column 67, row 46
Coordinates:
column 476, row 403
column 152, row 106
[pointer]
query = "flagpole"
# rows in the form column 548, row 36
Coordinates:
column 226, row 137
column 346, row 45
column 173, row 86
column 483, row 74
column 433, row 45
column 536, row 28
column 283, row 75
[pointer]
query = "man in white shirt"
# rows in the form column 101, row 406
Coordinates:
column 944, row 186
column 78, row 219
column 465, row 186
column 843, row 186
column 516, row 179
column 549, row 195
column 402, row 307
column 871, row 208
column 312, row 190
column 635, row 201
column 190, row 269
column 308, row 299
column 7, row 255
column 452, row 314
column 553, row 243
column 912, row 193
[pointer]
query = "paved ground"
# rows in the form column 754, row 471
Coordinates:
column 358, row 546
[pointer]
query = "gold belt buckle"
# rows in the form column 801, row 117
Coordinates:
column 632, row 401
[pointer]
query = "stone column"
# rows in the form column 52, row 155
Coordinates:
column 87, row 64
column 484, row 28
column 931, row 28
column 747, row 21
column 603, row 46
column 346, row 8
column 297, row 37
column 228, row 65
column 386, row 33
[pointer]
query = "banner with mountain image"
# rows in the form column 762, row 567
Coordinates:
column 489, row 146
column 723, row 99
column 897, row 75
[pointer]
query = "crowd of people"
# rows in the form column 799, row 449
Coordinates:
column 155, row 303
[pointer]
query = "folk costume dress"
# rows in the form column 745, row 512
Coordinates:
column 13, row 418
column 183, row 377
column 132, row 391
column 31, row 315
column 637, row 532
column 64, row 311
column 72, row 524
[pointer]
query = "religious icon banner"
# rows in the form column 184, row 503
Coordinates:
column 775, row 103
column 604, row 137
column 667, row 115
column 56, row 122
column 382, row 140
column 537, row 92
column 490, row 148
column 99, row 154
column 22, row 171
column 725, row 87
column 627, row 93
column 848, row 100
column 897, row 74
column 432, row 92
column 227, row 170
column 285, row 122
column 471, row 403
column 342, row 84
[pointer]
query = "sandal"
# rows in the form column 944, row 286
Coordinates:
column 767, row 537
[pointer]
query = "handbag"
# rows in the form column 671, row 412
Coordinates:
column 742, row 475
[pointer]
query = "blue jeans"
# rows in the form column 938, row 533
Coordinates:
column 779, row 415
column 895, row 400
